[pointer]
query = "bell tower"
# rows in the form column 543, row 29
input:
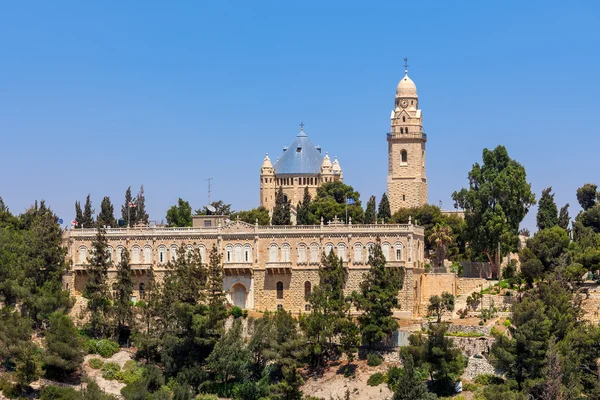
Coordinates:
column 406, row 181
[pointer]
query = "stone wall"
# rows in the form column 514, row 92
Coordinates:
column 433, row 284
column 591, row 303
column 472, row 269
column 471, row 346
column 502, row 303
column 470, row 285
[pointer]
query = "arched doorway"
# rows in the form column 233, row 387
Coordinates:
column 239, row 296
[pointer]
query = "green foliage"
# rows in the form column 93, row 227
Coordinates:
column 131, row 372
column 221, row 208
column 547, row 216
column 289, row 387
column 331, row 202
column 110, row 370
column 473, row 300
column 64, row 349
column 384, row 212
column 78, row 215
column 87, row 220
column 304, row 215
column 563, row 217
column 59, row 393
column 488, row 379
column 106, row 217
column 282, row 212
column 17, row 350
column 230, row 357
column 497, row 200
column 141, row 215
column 180, row 214
column 123, row 290
column 96, row 286
column 204, row 396
column 440, row 238
column 587, row 196
column 376, row 379
column 250, row 390
column 409, row 385
column 96, row 363
column 374, row 360
column 251, row 216
column 106, row 348
column 501, row 392
column 236, row 311
column 371, row 211
column 438, row 305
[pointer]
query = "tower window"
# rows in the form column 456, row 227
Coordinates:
column 404, row 156
column 403, row 118
column 403, row 197
column 280, row 290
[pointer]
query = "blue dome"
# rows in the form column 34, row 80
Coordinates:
column 300, row 158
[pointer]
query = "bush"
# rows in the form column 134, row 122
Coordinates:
column 236, row 311
column 507, row 322
column 207, row 397
column 107, row 348
column 393, row 375
column 376, row 379
column 488, row 379
column 9, row 389
column 470, row 387
column 373, row 360
column 245, row 313
column 131, row 372
column 96, row 363
column 480, row 323
column 90, row 346
column 58, row 393
column 110, row 371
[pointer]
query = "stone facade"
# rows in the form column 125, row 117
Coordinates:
column 266, row 267
column 407, row 180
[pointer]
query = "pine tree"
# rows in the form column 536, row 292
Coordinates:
column 106, row 218
column 215, row 294
column 409, row 385
column 64, row 350
column 384, row 213
column 87, row 221
column 378, row 297
column 230, row 358
column 96, row 286
column 371, row 212
column 304, row 217
column 124, row 290
column 141, row 214
column 281, row 213
column 547, row 215
column 78, row 214
column 563, row 217
column 129, row 214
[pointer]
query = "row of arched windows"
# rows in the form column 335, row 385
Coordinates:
column 312, row 253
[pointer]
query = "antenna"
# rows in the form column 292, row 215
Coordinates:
column 209, row 190
column 406, row 65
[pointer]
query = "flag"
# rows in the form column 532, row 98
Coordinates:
column 74, row 223
column 350, row 201
column 132, row 204
column 60, row 221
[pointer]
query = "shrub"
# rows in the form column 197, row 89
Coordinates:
column 58, row 393
column 488, row 379
column 90, row 346
column 495, row 332
column 9, row 389
column 507, row 322
column 96, row 363
column 393, row 375
column 110, row 370
column 245, row 313
column 107, row 348
column 373, row 360
column 207, row 397
column 376, row 379
column 131, row 372
column 480, row 323
column 470, row 387
column 236, row 311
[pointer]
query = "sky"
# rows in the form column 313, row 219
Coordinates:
column 99, row 96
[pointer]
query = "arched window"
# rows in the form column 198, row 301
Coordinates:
column 247, row 253
column 385, row 248
column 189, row 250
column 403, row 197
column 307, row 307
column 314, row 253
column 135, row 255
column 142, row 290
column 162, row 255
column 404, row 156
column 237, row 253
column 358, row 250
column 280, row 290
column 173, row 251
column 328, row 248
column 115, row 290
column 370, row 247
column 147, row 255
column 307, row 289
column 285, row 253
column 341, row 250
column 229, row 253
column 82, row 255
column 273, row 253
column 202, row 253
column 398, row 251
column 109, row 253
column 279, row 307
column 302, row 253
column 119, row 253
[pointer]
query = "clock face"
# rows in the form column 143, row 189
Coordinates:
column 404, row 103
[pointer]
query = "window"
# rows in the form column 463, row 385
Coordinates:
column 147, row 255
column 358, row 249
column 307, row 289
column 189, row 249
column 82, row 255
column 237, row 253
column 142, row 290
column 247, row 253
column 109, row 253
column 115, row 290
column 279, row 307
column 173, row 252
column 314, row 253
column 273, row 253
column 385, row 248
column 207, row 224
column 328, row 248
column 119, row 253
column 403, row 197
column 301, row 253
column 403, row 118
column 404, row 156
column 229, row 253
column 341, row 250
column 398, row 248
column 370, row 247
column 135, row 255
column 202, row 253
column 307, row 307
column 285, row 253
column 162, row 255
column 280, row 290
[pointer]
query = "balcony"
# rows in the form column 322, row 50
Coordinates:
column 412, row 135
column 279, row 267
column 395, row 264
column 237, row 268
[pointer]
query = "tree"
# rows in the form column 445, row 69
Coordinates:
column 587, row 196
column 378, row 297
column 547, row 215
column 552, row 388
column 180, row 215
column 410, row 386
column 289, row 387
column 440, row 238
column 87, row 220
column 141, row 215
column 78, row 215
column 304, row 216
column 64, row 350
column 129, row 213
column 371, row 211
column 230, row 357
column 124, row 290
column 251, row 216
column 96, row 286
column 438, row 305
column 221, row 208
column 216, row 295
column 547, row 245
column 282, row 212
column 332, row 201
column 384, row 212
column 497, row 200
column 106, row 217
column 563, row 217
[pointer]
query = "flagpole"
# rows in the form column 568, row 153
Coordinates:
column 346, row 209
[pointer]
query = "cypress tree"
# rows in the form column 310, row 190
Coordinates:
column 87, row 220
column 384, row 213
column 563, row 217
column 96, row 287
column 124, row 289
column 141, row 214
column 107, row 214
column 304, row 209
column 127, row 212
column 78, row 214
column 281, row 213
column 215, row 294
column 371, row 212
column 547, row 215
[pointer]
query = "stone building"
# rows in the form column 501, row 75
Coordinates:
column 266, row 267
column 407, row 180
column 300, row 166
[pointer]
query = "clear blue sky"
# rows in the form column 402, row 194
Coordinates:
column 98, row 96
